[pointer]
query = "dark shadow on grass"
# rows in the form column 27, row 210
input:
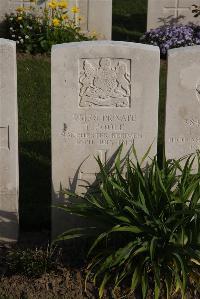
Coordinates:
column 3, row 29
column 128, row 27
column 35, row 186
column 131, row 21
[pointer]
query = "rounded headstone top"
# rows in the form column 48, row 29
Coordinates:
column 182, row 50
column 4, row 41
column 105, row 43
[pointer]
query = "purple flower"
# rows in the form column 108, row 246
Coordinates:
column 172, row 36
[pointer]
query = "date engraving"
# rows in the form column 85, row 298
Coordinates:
column 101, row 129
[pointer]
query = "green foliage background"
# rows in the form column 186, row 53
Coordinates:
column 129, row 19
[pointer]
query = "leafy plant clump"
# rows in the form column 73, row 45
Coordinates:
column 36, row 29
column 172, row 36
column 145, row 225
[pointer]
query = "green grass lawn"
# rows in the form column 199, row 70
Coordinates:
column 34, row 96
column 129, row 19
column 35, row 139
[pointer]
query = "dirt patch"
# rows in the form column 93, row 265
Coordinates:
column 63, row 284
column 66, row 281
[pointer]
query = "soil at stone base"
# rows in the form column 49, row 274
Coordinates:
column 63, row 284
column 67, row 282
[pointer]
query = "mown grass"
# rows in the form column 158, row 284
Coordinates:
column 34, row 142
column 129, row 19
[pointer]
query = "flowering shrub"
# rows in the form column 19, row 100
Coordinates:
column 36, row 29
column 172, row 36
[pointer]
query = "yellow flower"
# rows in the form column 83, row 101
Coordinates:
column 56, row 22
column 63, row 4
column 19, row 18
column 19, row 9
column 53, row 4
column 94, row 34
column 64, row 16
column 80, row 18
column 75, row 9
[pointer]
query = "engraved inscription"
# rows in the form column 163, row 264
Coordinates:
column 101, row 129
column 192, row 123
column 4, row 137
column 104, row 82
column 193, row 142
column 190, row 140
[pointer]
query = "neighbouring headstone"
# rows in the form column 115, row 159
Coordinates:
column 103, row 94
column 3, row 9
column 162, row 12
column 8, row 143
column 96, row 14
column 182, row 132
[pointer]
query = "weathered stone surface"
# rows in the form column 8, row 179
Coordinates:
column 103, row 94
column 3, row 9
column 8, row 143
column 164, row 11
column 182, row 133
column 100, row 18
column 97, row 14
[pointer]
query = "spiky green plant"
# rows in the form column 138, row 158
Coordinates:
column 146, row 225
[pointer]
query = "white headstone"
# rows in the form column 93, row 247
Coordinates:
column 8, row 142
column 7, row 6
column 96, row 14
column 3, row 9
column 103, row 94
column 182, row 133
column 160, row 11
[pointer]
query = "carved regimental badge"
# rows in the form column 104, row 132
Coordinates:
column 104, row 82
